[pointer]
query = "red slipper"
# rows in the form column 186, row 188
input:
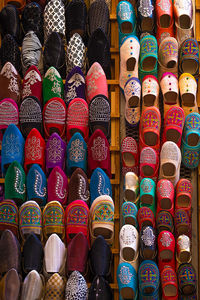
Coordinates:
column 184, row 195
column 130, row 155
column 77, row 118
column 166, row 246
column 169, row 284
column 32, row 83
column 165, row 196
column 149, row 163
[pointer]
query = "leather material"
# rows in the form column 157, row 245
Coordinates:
column 32, row 287
column 32, row 254
column 100, row 289
column 10, row 285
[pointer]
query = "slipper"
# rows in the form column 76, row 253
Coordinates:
column 76, row 53
column 145, row 217
column 189, row 57
column 12, row 147
column 30, row 220
column 163, row 32
column 30, row 115
column 164, row 13
column 77, row 220
column 147, row 192
column 76, row 287
column 129, row 155
column 126, row 19
column 8, row 208
column 99, row 153
column 131, row 187
column 79, row 187
column 55, row 287
column 183, row 34
column 129, row 243
column 170, row 161
column 182, row 222
column 173, row 125
column 165, row 196
column 127, row 280
column 36, row 183
column 15, row 187
column 168, row 56
column 149, row 131
column 100, row 115
column 129, row 213
column 42, row 3
column 183, row 194
column 148, row 243
column 77, row 118
column 143, row 73
column 183, row 249
column 164, row 221
column 148, row 277
column 187, row 280
column 132, row 93
column 76, row 153
column 54, row 117
column 54, row 54
column 32, row 287
column 191, row 133
column 52, row 85
column 57, row 186
column 74, row 86
column 145, row 17
column 99, row 185
column 10, row 285
column 129, row 57
column 53, row 220
column 169, row 283
column 76, row 260
column 150, row 92
column 149, row 163
column 100, row 289
column 188, row 93
column 183, row 13
column 148, row 53
column 55, row 153
column 10, row 80
column 32, row 83
column 166, row 246
column 102, row 218
column 19, row 4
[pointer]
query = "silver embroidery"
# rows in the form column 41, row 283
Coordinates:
column 82, row 191
column 38, row 185
column 19, row 185
column 12, row 145
column 102, row 189
column 77, row 151
column 33, row 148
column 148, row 236
column 59, row 188
column 146, row 8
column 54, row 150
column 8, row 73
column 99, row 149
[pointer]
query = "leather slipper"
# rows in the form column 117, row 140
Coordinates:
column 100, row 289
column 150, row 92
column 32, row 287
column 149, row 163
column 10, row 285
column 74, row 85
column 129, row 155
column 32, row 83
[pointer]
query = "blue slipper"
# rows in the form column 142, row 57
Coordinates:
column 127, row 281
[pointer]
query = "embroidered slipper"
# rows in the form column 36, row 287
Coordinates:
column 149, row 163
column 32, row 83
column 15, row 179
column 99, row 185
column 165, row 196
column 169, row 283
column 148, row 243
column 55, row 287
column 191, row 133
column 57, row 186
column 75, row 16
column 132, row 93
column 54, row 18
column 166, row 246
column 147, row 192
column 149, row 131
column 100, row 289
column 145, row 217
column 126, row 19
column 187, row 280
column 74, row 85
column 146, row 17
column 76, row 287
column 36, row 183
column 189, row 57
column 54, row 54
column 182, row 222
column 143, row 73
column 183, row 194
column 183, row 249
column 30, row 220
column 183, row 13
column 9, row 216
column 55, row 152
column 168, row 56
column 170, row 161
column 32, row 19
column 148, row 53
column 188, row 93
column 131, row 187
column 150, row 92
column 102, row 218
column 54, row 256
column 76, row 154
column 129, row 57
column 76, row 53
column 149, row 278
column 129, row 243
column 129, row 213
column 10, row 285
column 100, row 115
column 77, row 118
column 32, row 254
column 183, row 34
column 30, row 115
column 77, row 220
column 99, row 153
column 164, row 13
column 129, row 155
column 173, row 125
column 75, row 261
column 10, row 52
column 32, row 286
column 52, row 85
column 127, row 280
column 164, row 221
column 12, row 147
column 9, row 113
column 162, row 32
column 53, row 220
column 31, row 52
column 10, row 80
column 96, row 83
column 34, row 150
column 190, row 155
column 54, row 117
column 79, row 187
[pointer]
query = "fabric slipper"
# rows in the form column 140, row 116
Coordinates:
column 164, row 13
column 187, row 280
column 191, row 133
column 127, row 280
column 131, row 187
column 164, row 221
column 129, row 243
column 165, row 196
column 149, row 163
column 148, row 53
column 55, row 287
column 183, row 194
column 57, row 186
column 76, row 53
column 32, row 287
column 74, row 85
column 147, row 192
column 183, row 13
column 76, row 287
column 145, row 217
column 32, row 83
column 182, row 222
column 8, row 208
column 148, row 277
column 129, row 155
column 129, row 213
column 189, row 57
column 100, row 289
column 169, row 283
column 188, row 93
column 150, row 92
column 52, row 85
column 148, row 243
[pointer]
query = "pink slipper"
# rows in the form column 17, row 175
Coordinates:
column 130, row 155
column 149, row 163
